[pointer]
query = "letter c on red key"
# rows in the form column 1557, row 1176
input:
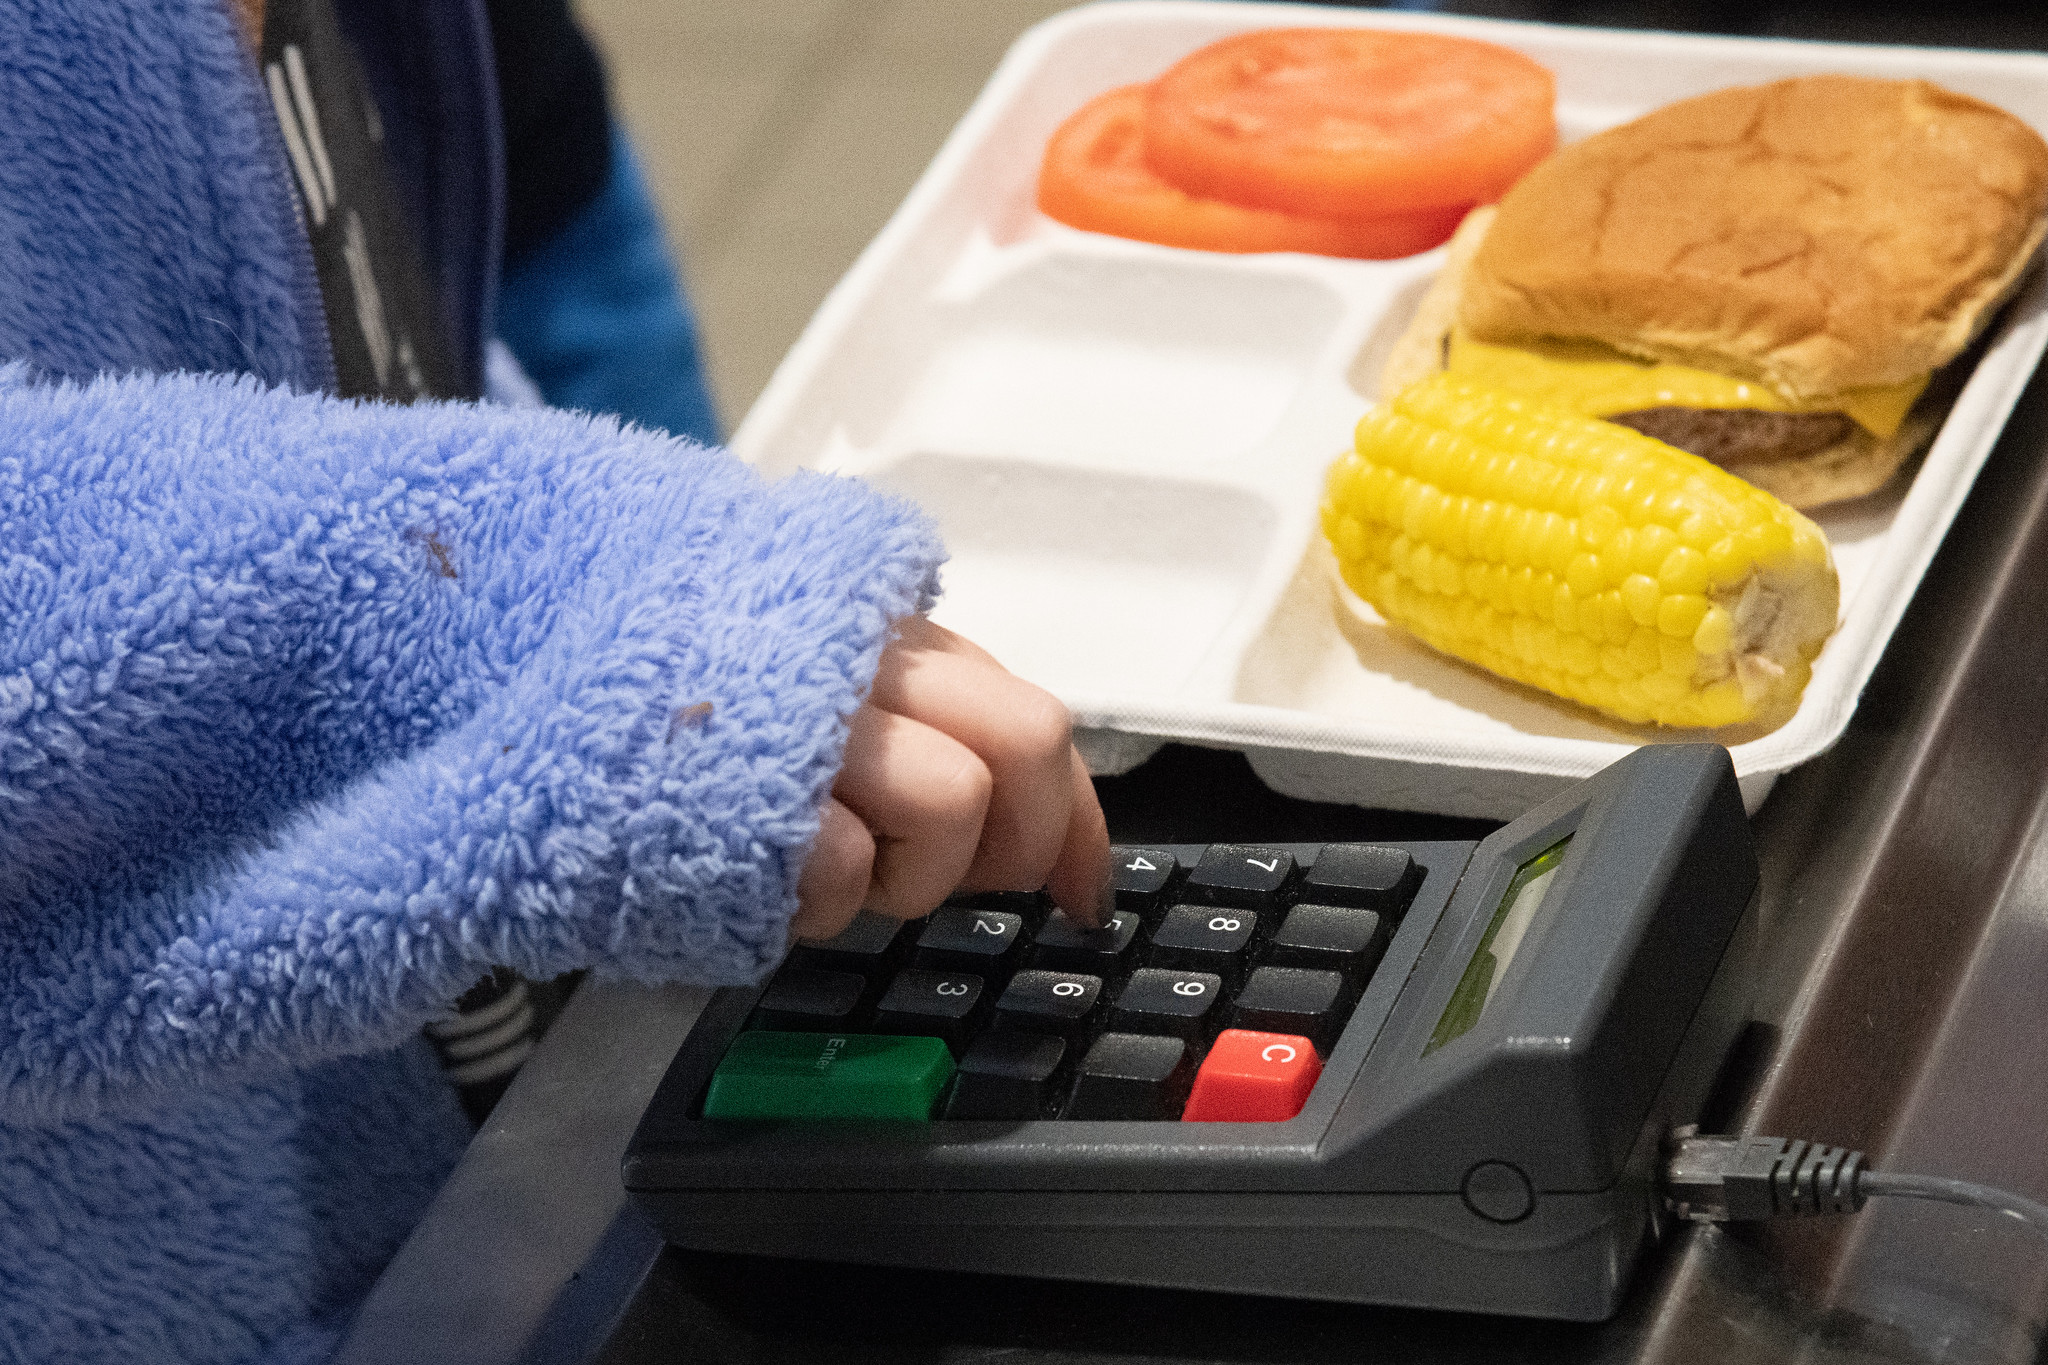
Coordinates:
column 1253, row 1077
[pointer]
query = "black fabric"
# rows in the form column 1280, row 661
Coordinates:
column 388, row 336
column 428, row 67
column 551, row 90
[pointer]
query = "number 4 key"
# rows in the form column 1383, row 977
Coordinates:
column 1141, row 877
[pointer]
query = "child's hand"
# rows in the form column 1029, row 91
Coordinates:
column 957, row 775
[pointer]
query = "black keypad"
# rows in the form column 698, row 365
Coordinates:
column 1050, row 1002
column 864, row 947
column 1009, row 1076
column 1332, row 938
column 1064, row 946
column 1240, row 874
column 1365, row 875
column 1132, row 1076
column 985, row 942
column 1180, row 1003
column 1026, row 904
column 1047, row 1019
column 1292, row 1000
column 1142, row 877
column 946, row 1005
column 1204, row 938
column 800, row 1000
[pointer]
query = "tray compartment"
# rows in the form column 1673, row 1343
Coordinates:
column 1086, row 580
column 1119, row 364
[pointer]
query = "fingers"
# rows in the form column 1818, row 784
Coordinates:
column 834, row 882
column 921, row 632
column 1044, row 826
column 923, row 795
column 1079, row 880
column 957, row 776
column 1023, row 736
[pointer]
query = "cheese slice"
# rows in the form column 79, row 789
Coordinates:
column 1598, row 381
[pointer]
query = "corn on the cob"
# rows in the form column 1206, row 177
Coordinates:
column 1580, row 557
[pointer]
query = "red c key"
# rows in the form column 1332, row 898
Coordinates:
column 1253, row 1078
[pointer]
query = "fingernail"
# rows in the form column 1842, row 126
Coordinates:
column 1105, row 900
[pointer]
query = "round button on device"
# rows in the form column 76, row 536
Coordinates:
column 1498, row 1192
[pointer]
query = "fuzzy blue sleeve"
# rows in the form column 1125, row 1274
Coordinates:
column 311, row 711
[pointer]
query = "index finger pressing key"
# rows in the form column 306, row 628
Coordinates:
column 1080, row 876
column 1043, row 825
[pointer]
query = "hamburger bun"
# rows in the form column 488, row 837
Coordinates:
column 1812, row 235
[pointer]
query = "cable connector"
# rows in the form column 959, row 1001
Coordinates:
column 1721, row 1179
column 1742, row 1179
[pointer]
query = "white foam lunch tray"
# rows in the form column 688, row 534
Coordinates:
column 1123, row 444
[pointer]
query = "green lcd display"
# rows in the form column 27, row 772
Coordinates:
column 1504, row 938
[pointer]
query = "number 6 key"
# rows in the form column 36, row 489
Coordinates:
column 1061, row 1003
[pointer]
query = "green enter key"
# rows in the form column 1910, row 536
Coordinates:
column 828, row 1076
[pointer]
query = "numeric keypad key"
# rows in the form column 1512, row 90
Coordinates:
column 1240, row 874
column 1290, row 1000
column 1180, row 1003
column 1141, row 877
column 1049, row 1002
column 1204, row 938
column 1132, row 1076
column 948, row 1005
column 1064, row 946
column 800, row 1000
column 865, row 947
column 1369, row 876
column 985, row 942
column 1332, row 938
column 1008, row 1076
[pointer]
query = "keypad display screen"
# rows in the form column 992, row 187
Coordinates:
column 1504, row 937
column 1215, row 992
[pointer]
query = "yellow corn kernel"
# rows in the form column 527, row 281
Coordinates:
column 1680, row 614
column 1640, row 593
column 1665, row 691
column 1716, row 632
column 1616, row 624
column 1645, row 655
column 1579, row 556
column 1683, row 570
column 1598, row 522
column 1654, row 542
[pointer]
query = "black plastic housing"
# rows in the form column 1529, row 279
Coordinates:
column 1509, row 1170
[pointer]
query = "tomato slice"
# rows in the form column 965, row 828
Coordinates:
column 1095, row 177
column 1350, row 122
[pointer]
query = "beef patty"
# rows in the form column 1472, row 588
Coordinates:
column 1741, row 435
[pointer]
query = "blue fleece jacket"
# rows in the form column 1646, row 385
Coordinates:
column 311, row 710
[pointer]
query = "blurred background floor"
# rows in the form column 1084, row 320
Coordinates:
column 778, row 135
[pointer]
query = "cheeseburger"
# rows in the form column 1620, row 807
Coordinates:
column 1768, row 276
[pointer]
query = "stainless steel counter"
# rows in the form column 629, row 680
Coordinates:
column 1899, row 988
